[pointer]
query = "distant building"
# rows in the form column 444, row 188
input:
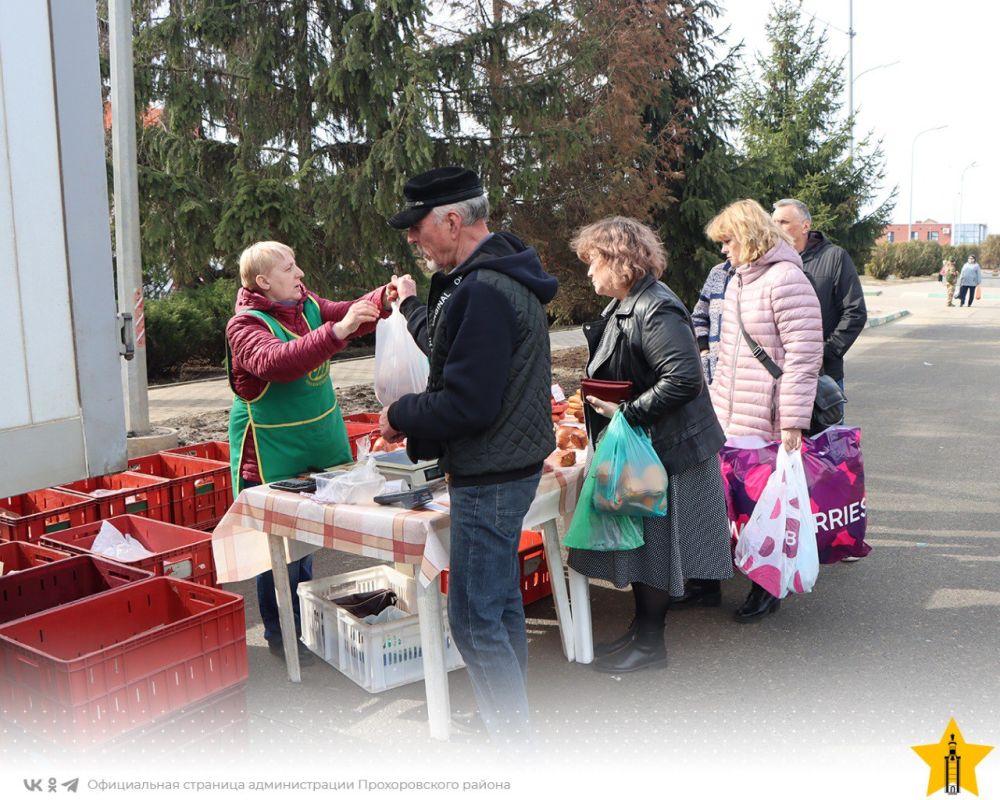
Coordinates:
column 970, row 233
column 929, row 230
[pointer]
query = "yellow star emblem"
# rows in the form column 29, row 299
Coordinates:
column 952, row 761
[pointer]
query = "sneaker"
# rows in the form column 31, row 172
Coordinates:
column 849, row 559
column 277, row 647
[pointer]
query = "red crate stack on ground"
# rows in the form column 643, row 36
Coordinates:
column 94, row 669
column 536, row 581
column 126, row 493
column 211, row 451
column 200, row 490
column 358, row 427
column 26, row 517
column 178, row 552
column 66, row 580
column 18, row 556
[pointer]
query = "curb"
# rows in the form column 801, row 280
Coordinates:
column 874, row 322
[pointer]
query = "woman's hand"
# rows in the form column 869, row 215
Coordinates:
column 358, row 314
column 602, row 407
column 791, row 438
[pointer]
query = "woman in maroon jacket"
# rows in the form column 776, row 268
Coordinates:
column 285, row 418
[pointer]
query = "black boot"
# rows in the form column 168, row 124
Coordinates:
column 698, row 592
column 759, row 604
column 601, row 650
column 646, row 650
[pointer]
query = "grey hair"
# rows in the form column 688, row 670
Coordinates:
column 471, row 211
column 798, row 205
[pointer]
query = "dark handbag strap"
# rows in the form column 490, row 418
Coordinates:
column 755, row 348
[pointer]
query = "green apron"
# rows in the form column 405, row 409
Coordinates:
column 296, row 426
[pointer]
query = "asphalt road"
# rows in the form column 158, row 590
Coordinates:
column 824, row 698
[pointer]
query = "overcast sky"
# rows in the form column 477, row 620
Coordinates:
column 948, row 56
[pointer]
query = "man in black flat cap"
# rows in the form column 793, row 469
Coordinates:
column 485, row 414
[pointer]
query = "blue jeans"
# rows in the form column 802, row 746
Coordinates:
column 298, row 572
column 484, row 600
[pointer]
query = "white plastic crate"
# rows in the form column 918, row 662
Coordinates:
column 376, row 657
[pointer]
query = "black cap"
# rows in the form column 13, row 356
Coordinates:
column 436, row 187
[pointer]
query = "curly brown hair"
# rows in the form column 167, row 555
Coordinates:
column 630, row 248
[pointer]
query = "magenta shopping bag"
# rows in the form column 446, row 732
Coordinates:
column 835, row 473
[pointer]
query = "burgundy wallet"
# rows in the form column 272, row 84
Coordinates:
column 610, row 391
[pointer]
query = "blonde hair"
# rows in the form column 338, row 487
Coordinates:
column 259, row 258
column 630, row 248
column 748, row 223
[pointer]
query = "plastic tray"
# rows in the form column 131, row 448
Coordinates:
column 376, row 657
column 200, row 490
column 26, row 517
column 122, row 658
column 66, row 580
column 126, row 493
column 177, row 552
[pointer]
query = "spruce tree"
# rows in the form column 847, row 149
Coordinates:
column 797, row 142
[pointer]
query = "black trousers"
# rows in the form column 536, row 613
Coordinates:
column 971, row 291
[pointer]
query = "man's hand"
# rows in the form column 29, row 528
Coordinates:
column 791, row 438
column 385, row 429
column 405, row 287
column 358, row 314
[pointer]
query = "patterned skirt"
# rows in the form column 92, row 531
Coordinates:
column 692, row 541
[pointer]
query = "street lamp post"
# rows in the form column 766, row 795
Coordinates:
column 961, row 198
column 913, row 145
column 850, row 100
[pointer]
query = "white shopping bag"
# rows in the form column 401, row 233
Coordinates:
column 400, row 365
column 777, row 549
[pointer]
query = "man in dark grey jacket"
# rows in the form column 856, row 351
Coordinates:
column 485, row 414
column 835, row 279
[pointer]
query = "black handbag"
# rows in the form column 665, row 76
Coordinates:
column 362, row 604
column 828, row 407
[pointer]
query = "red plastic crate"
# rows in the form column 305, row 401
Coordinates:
column 358, row 427
column 26, row 517
column 120, row 659
column 126, row 493
column 211, row 451
column 200, row 490
column 18, row 556
column 182, row 553
column 536, row 581
column 64, row 579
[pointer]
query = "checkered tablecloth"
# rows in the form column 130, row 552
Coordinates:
column 387, row 533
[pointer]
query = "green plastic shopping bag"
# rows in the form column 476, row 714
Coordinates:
column 629, row 477
column 592, row 528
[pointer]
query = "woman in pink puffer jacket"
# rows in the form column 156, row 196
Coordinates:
column 780, row 311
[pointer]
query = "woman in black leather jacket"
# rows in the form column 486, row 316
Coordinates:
column 645, row 336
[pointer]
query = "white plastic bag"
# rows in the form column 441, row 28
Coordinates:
column 400, row 365
column 112, row 543
column 358, row 485
column 777, row 549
